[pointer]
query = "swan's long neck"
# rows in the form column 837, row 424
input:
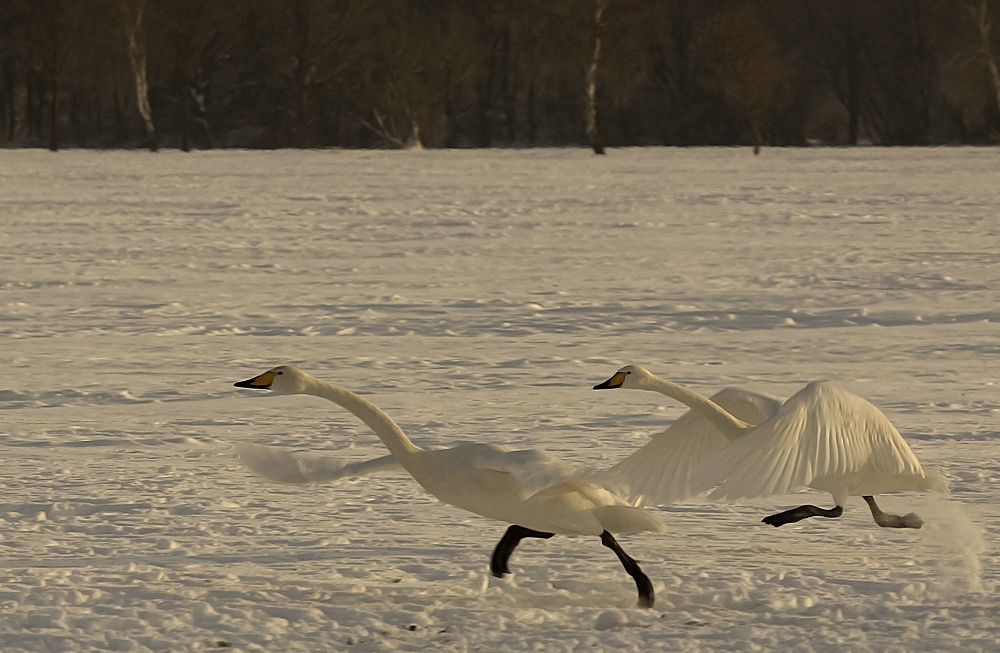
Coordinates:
column 730, row 426
column 384, row 427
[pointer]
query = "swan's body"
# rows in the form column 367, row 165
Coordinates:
column 823, row 437
column 535, row 491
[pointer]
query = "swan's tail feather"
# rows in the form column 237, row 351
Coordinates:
column 278, row 465
column 627, row 519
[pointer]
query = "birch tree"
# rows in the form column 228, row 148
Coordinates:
column 133, row 12
column 54, row 41
column 746, row 67
column 593, row 132
column 984, row 26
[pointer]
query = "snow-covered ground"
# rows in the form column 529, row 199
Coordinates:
column 479, row 295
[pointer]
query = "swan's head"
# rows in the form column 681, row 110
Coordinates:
column 284, row 379
column 630, row 376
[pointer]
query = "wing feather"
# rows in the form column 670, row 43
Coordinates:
column 281, row 466
column 819, row 436
column 531, row 471
column 659, row 473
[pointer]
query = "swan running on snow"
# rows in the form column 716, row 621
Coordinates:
column 823, row 437
column 535, row 492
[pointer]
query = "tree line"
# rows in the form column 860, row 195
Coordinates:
column 487, row 73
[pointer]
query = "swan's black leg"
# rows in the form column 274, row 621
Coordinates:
column 507, row 544
column 802, row 512
column 646, row 596
column 885, row 520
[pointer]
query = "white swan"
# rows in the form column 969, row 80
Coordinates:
column 536, row 492
column 823, row 437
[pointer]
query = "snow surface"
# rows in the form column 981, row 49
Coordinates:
column 479, row 295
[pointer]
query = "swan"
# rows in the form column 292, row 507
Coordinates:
column 822, row 437
column 535, row 492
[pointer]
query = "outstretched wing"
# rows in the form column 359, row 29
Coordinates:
column 821, row 434
column 277, row 464
column 660, row 472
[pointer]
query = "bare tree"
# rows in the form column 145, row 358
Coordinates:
column 322, row 41
column 904, row 71
column 593, row 133
column 419, row 54
column 8, row 109
column 133, row 13
column 836, row 40
column 745, row 66
column 452, row 73
column 188, row 29
column 55, row 39
column 984, row 25
column 674, row 69
column 394, row 72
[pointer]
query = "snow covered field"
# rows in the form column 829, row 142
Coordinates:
column 479, row 295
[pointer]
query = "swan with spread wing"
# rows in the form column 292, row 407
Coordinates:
column 823, row 437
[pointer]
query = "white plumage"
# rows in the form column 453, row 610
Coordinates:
column 823, row 437
column 276, row 464
column 826, row 438
column 536, row 492
column 658, row 473
column 661, row 471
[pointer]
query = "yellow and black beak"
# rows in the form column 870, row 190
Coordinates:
column 615, row 381
column 263, row 381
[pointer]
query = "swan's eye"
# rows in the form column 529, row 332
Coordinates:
column 280, row 373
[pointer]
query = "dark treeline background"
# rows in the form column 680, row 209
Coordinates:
column 482, row 73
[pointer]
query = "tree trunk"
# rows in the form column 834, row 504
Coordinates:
column 137, row 57
column 484, row 113
column 418, row 142
column 509, row 88
column 984, row 25
column 853, row 110
column 593, row 134
column 54, row 113
column 450, row 117
column 531, row 118
column 185, row 117
column 853, row 67
column 55, row 61
column 6, row 107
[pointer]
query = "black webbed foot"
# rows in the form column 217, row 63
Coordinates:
column 800, row 513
